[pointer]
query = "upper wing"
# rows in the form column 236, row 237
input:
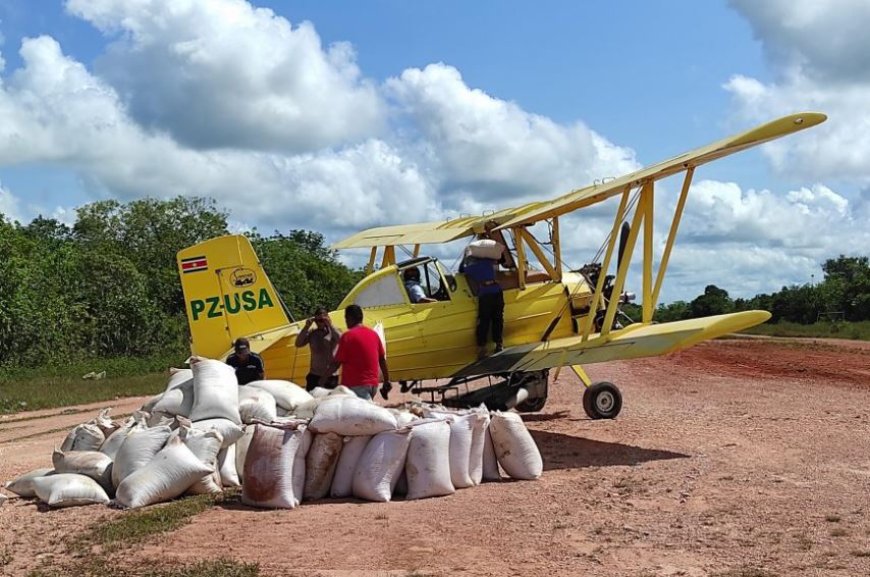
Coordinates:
column 427, row 232
column 634, row 341
column 597, row 193
column 445, row 231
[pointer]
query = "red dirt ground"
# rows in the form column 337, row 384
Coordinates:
column 734, row 458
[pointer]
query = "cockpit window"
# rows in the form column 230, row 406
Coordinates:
column 424, row 279
column 385, row 291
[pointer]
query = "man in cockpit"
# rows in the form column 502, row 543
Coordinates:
column 411, row 276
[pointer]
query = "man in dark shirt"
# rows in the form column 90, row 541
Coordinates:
column 249, row 366
column 490, row 307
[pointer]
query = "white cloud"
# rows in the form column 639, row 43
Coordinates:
column 223, row 74
column 9, row 209
column 493, row 149
column 821, row 53
column 59, row 113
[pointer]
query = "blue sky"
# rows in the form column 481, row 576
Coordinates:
column 388, row 111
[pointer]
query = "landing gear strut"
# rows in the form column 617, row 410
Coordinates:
column 602, row 401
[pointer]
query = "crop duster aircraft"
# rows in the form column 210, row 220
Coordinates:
column 553, row 317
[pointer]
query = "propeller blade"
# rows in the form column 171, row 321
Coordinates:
column 623, row 239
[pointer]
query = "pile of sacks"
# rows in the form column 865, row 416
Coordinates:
column 281, row 444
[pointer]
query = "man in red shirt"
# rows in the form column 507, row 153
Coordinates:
column 360, row 354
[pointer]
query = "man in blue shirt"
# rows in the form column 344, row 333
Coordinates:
column 249, row 366
column 490, row 307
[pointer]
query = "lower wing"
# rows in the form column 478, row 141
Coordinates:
column 632, row 342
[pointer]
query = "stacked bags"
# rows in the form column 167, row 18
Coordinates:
column 281, row 444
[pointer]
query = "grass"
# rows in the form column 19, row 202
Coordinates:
column 101, row 567
column 26, row 389
column 840, row 330
column 94, row 549
column 136, row 526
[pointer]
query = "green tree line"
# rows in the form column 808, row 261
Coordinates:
column 107, row 286
column 843, row 294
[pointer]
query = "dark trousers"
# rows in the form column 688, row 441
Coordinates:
column 312, row 380
column 490, row 312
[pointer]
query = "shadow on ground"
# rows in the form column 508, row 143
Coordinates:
column 567, row 452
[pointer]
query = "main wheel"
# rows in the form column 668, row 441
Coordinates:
column 602, row 401
column 532, row 405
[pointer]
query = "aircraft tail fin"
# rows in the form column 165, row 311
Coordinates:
column 227, row 294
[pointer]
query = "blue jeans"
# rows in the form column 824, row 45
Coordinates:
column 365, row 392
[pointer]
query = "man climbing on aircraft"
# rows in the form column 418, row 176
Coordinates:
column 480, row 264
column 411, row 276
column 360, row 353
column 322, row 340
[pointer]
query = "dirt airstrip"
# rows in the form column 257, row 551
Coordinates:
column 734, row 458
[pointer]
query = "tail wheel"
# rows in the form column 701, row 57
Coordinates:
column 602, row 401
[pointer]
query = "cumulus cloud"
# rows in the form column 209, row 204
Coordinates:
column 495, row 149
column 821, row 55
column 9, row 209
column 60, row 113
column 223, row 74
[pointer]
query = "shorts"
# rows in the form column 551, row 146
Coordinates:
column 312, row 380
column 366, row 392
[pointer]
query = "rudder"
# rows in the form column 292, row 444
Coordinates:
column 226, row 294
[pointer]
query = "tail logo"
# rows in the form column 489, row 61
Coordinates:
column 243, row 277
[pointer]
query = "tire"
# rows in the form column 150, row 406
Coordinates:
column 532, row 405
column 602, row 401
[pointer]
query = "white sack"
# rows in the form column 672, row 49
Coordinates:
column 287, row 395
column 69, row 490
column 341, row 390
column 514, row 447
column 87, row 437
column 149, row 404
column 230, row 431
column 403, row 417
column 138, row 449
column 178, row 377
column 461, row 433
column 427, row 466
column 320, row 465
column 160, row 419
column 478, row 444
column 342, row 481
column 319, row 392
column 205, row 445
column 485, row 248
column 490, row 463
column 105, row 423
column 269, row 466
column 176, row 401
column 299, row 462
column 380, row 465
column 256, row 405
column 215, row 391
column 241, row 448
column 93, row 464
column 351, row 416
column 168, row 475
column 113, row 442
column 23, row 485
column 227, row 467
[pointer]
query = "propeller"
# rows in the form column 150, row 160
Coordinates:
column 623, row 239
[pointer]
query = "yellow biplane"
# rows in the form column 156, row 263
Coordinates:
column 553, row 318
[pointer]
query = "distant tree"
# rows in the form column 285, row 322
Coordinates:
column 714, row 301
column 675, row 311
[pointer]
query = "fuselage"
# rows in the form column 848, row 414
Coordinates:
column 435, row 340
